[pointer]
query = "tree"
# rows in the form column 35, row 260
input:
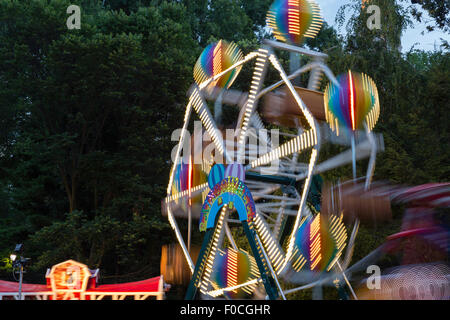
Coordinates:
column 87, row 115
column 412, row 99
column 90, row 113
column 394, row 21
column 437, row 9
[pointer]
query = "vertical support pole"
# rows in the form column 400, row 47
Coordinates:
column 20, row 281
column 373, row 156
column 266, row 258
column 294, row 65
column 160, row 295
column 354, row 156
column 351, row 242
column 191, row 169
column 277, row 227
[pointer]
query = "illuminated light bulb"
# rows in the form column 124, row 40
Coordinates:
column 319, row 242
column 351, row 103
column 293, row 21
column 216, row 58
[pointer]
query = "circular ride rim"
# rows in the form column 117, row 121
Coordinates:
column 271, row 209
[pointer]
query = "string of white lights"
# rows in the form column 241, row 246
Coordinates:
column 183, row 136
column 307, row 140
column 174, row 226
column 259, row 70
column 186, row 193
column 273, row 250
column 290, row 248
column 212, row 253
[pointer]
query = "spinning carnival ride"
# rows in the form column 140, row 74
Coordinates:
column 269, row 188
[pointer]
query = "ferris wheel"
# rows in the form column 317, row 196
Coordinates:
column 260, row 176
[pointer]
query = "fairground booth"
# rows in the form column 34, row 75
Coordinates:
column 71, row 280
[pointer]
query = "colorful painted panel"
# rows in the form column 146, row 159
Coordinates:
column 235, row 268
column 233, row 192
column 216, row 58
column 352, row 102
column 319, row 243
column 216, row 175
column 235, row 170
column 293, row 21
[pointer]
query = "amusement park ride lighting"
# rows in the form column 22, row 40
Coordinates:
column 317, row 250
column 180, row 239
column 314, row 238
column 305, row 111
column 213, row 60
column 250, row 287
column 300, row 262
column 255, row 86
column 338, row 231
column 369, row 87
column 307, row 140
column 290, row 248
column 212, row 254
column 182, row 138
column 303, row 21
column 247, row 58
column 232, row 286
column 352, row 99
column 185, row 193
column 293, row 19
column 205, row 117
column 316, row 24
column 218, row 292
column 276, row 257
column 218, row 62
column 299, row 24
column 374, row 114
column 232, row 269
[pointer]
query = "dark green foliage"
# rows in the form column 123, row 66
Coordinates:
column 439, row 10
column 414, row 95
column 89, row 115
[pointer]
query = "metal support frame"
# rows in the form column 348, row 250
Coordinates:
column 263, row 186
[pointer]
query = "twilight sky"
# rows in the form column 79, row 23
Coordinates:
column 410, row 36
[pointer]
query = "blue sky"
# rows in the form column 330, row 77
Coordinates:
column 410, row 36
